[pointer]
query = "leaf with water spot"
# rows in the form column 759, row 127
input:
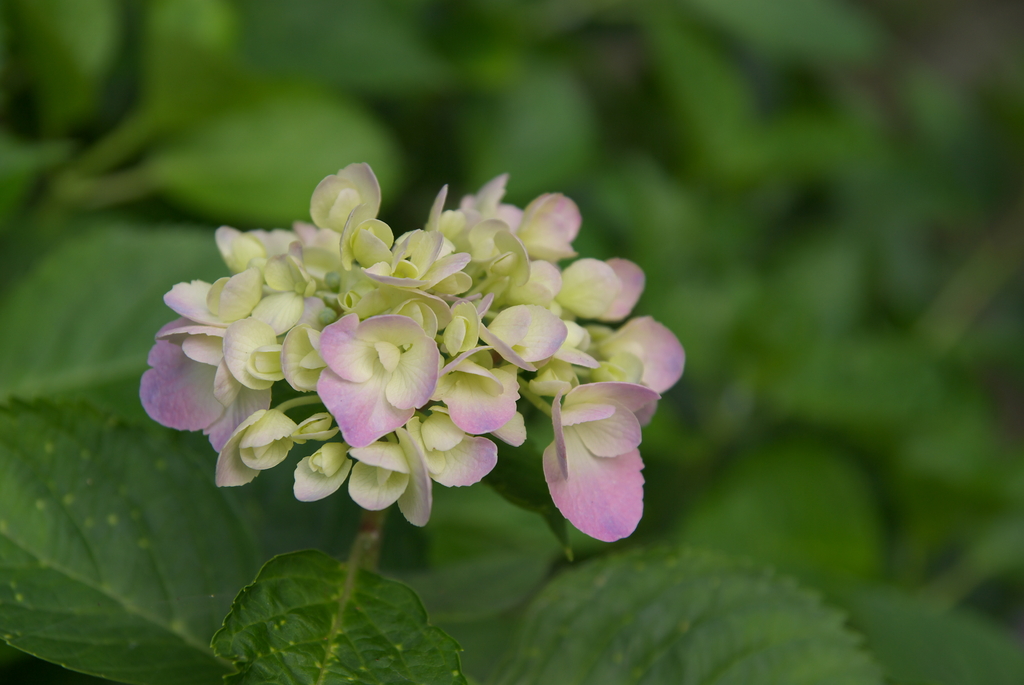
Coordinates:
column 118, row 555
column 305, row 621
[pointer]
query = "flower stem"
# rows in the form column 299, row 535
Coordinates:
column 365, row 551
column 298, row 402
column 533, row 398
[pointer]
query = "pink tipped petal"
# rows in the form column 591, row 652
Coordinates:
column 434, row 218
column 655, row 345
column 549, row 225
column 544, row 336
column 189, row 300
column 446, row 266
column 468, row 462
column 583, row 413
column 484, row 305
column 345, row 355
column 476, row 411
column 361, row 409
column 462, row 357
column 632, row 278
column 578, row 358
column 513, row 432
column 178, row 392
column 506, row 352
column 394, row 280
column 630, row 395
column 417, row 499
column 610, row 437
column 512, row 324
column 603, row 498
column 187, row 327
column 414, row 379
column 645, row 413
column 245, row 405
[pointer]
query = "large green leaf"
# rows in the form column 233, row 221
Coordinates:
column 87, row 315
column 799, row 506
column 306, row 620
column 260, row 164
column 917, row 642
column 670, row 616
column 118, row 556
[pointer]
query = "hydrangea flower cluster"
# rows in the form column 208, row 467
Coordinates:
column 420, row 349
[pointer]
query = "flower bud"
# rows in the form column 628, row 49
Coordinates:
column 316, row 427
column 354, row 188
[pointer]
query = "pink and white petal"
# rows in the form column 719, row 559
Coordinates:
column 512, row 324
column 188, row 327
column 414, row 379
column 477, row 411
column 450, row 366
column 574, row 356
column 205, row 349
column 280, row 311
column 610, row 437
column 417, row 500
column 384, row 455
column 392, row 328
column 544, row 336
column 189, row 300
column 361, row 409
column 311, row 485
column 446, row 266
column 394, row 280
column 573, row 414
column 645, row 413
column 178, row 392
column 631, row 395
column 632, row 278
column 468, row 462
column 484, row 305
column 245, row 405
column 513, row 432
column 603, row 498
column 366, row 490
column 346, row 355
column 655, row 345
column 503, row 349
column 439, row 432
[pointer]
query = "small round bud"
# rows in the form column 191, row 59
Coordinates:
column 327, row 316
column 333, row 281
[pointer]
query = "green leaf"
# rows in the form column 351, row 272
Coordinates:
column 118, row 556
column 69, row 45
column 799, row 506
column 306, row 620
column 369, row 45
column 541, row 131
column 917, row 642
column 260, row 164
column 19, row 164
column 670, row 616
column 87, row 314
column 806, row 30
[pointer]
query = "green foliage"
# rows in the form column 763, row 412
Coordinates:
column 305, row 619
column 68, row 328
column 682, row 617
column 825, row 198
column 118, row 557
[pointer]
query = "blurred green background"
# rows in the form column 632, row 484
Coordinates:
column 826, row 196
